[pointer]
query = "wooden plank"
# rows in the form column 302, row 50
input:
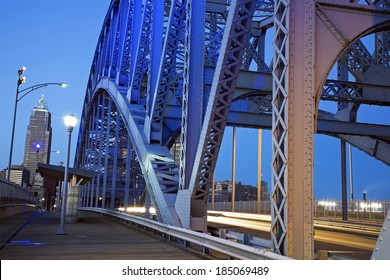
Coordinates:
column 94, row 237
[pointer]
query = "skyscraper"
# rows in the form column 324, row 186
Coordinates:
column 38, row 139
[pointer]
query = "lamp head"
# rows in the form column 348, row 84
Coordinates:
column 63, row 85
column 70, row 122
column 21, row 70
column 37, row 147
column 21, row 80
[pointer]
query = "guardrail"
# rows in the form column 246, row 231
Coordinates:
column 243, row 238
column 188, row 237
column 15, row 199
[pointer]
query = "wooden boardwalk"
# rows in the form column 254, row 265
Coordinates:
column 94, row 237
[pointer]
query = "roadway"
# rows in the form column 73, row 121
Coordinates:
column 343, row 239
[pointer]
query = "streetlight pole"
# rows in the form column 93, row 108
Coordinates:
column 22, row 80
column 70, row 122
column 38, row 148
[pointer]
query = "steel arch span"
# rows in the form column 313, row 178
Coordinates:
column 168, row 77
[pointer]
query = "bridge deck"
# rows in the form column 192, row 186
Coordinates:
column 94, row 237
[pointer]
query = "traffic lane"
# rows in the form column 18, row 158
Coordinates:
column 360, row 246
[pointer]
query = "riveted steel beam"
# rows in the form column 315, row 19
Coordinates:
column 168, row 70
column 307, row 34
column 136, row 92
column 236, row 35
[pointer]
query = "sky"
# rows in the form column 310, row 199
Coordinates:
column 56, row 40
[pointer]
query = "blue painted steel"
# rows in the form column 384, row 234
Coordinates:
column 115, row 162
column 137, row 20
column 235, row 39
column 141, row 65
column 115, row 37
column 126, row 34
column 192, row 101
column 105, row 149
column 155, row 52
column 154, row 160
column 169, row 72
column 168, row 87
column 127, row 176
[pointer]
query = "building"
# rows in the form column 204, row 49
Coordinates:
column 18, row 175
column 38, row 144
column 223, row 192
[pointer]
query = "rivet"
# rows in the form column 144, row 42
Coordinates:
column 376, row 249
column 380, row 238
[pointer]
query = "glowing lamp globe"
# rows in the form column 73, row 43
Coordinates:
column 70, row 121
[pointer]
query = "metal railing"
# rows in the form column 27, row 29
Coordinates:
column 357, row 210
column 242, row 207
column 192, row 238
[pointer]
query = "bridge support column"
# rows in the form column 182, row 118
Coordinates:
column 192, row 116
column 72, row 202
column 344, row 206
column 293, row 125
column 128, row 172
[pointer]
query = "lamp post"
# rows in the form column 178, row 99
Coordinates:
column 37, row 148
column 70, row 122
column 22, row 80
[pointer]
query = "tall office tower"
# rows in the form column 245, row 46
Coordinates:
column 38, row 140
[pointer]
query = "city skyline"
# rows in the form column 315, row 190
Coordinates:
column 56, row 42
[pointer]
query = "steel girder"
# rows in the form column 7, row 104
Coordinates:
column 252, row 84
column 236, row 36
column 191, row 101
column 362, row 93
column 142, row 55
column 382, row 247
column 169, row 70
column 382, row 52
column 105, row 152
column 155, row 161
column 307, row 33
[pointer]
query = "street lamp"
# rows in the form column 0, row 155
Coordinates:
column 70, row 122
column 22, row 80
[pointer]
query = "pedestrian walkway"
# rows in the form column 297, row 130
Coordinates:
column 93, row 237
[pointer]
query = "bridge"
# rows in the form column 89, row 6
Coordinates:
column 169, row 76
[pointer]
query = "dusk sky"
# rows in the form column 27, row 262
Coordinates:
column 56, row 40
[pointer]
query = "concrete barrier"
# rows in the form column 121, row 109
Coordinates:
column 13, row 209
column 72, row 204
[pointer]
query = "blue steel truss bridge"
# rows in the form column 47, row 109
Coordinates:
column 168, row 76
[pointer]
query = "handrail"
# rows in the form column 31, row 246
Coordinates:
column 229, row 248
